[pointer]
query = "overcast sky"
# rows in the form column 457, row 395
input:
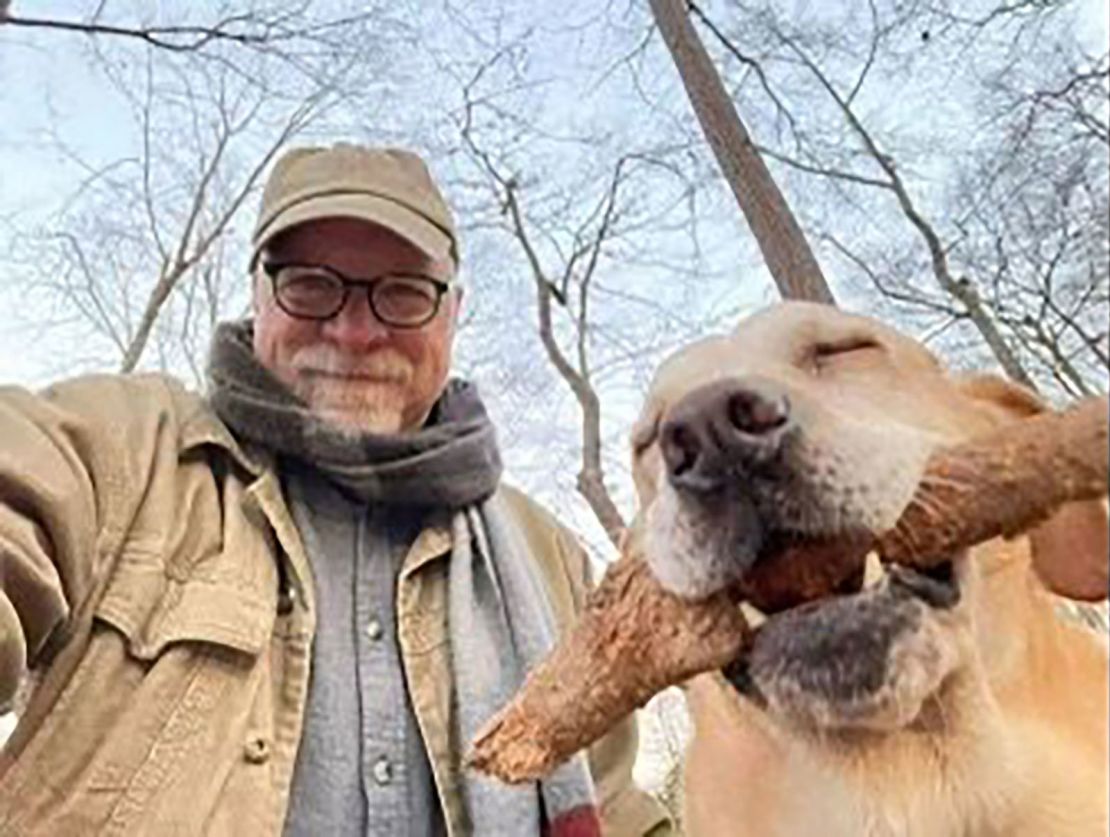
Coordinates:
column 48, row 93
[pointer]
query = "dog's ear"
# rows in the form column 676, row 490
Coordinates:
column 1009, row 400
column 1070, row 551
column 1070, row 548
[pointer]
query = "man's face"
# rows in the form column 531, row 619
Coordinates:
column 353, row 370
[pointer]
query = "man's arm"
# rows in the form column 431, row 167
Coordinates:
column 67, row 455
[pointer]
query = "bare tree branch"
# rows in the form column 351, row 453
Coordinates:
column 959, row 288
column 173, row 38
column 192, row 246
column 785, row 250
column 590, row 481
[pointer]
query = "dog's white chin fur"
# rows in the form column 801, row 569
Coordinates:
column 686, row 559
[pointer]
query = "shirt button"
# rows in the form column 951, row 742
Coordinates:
column 383, row 771
column 374, row 630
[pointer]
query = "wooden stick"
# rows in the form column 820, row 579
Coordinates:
column 635, row 638
column 1003, row 484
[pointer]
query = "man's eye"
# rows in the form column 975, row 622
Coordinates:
column 407, row 292
column 405, row 298
column 308, row 284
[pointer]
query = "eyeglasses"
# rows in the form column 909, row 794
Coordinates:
column 318, row 292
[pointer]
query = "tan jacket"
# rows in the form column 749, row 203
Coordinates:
column 139, row 572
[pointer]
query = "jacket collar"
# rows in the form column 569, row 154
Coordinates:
column 201, row 426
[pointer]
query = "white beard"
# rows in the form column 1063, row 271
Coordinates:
column 366, row 394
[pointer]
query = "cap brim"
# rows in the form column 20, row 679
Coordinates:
column 409, row 225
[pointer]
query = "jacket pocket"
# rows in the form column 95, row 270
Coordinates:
column 150, row 723
column 154, row 610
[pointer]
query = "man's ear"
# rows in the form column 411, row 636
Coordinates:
column 258, row 288
column 458, row 292
column 1069, row 550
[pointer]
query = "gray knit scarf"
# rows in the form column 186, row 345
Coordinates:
column 500, row 621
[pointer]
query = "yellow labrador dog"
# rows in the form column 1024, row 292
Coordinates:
column 956, row 702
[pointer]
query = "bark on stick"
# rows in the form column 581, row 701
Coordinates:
column 633, row 640
column 1003, row 484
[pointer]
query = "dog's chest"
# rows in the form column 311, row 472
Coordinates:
column 903, row 790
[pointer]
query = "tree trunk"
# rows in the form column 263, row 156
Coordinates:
column 784, row 247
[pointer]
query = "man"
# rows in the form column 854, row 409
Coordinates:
column 288, row 607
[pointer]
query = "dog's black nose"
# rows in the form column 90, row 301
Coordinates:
column 720, row 427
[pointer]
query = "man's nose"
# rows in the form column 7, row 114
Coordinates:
column 722, row 427
column 355, row 325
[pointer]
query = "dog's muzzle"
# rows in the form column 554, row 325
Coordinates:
column 761, row 491
column 721, row 431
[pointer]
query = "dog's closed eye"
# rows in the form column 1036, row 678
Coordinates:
column 826, row 354
column 644, row 434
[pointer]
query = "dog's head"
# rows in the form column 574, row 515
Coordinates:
column 809, row 428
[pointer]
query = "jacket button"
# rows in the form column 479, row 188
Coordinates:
column 257, row 750
column 285, row 602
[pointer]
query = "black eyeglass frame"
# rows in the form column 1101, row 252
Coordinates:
column 439, row 287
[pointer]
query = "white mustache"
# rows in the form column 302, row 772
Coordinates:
column 384, row 364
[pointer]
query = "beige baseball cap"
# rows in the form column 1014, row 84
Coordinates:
column 390, row 187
